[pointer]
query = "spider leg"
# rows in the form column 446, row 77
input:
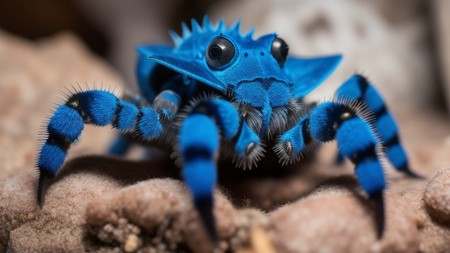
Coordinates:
column 95, row 107
column 166, row 104
column 199, row 141
column 357, row 88
column 356, row 141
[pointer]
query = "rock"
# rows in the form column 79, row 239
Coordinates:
column 437, row 196
column 340, row 221
column 58, row 227
column 32, row 78
column 132, row 244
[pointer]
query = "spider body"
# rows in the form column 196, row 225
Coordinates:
column 255, row 98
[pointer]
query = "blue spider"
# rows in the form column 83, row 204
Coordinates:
column 254, row 103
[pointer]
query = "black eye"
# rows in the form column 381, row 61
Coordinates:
column 280, row 50
column 220, row 52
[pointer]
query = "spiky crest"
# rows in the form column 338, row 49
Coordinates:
column 208, row 27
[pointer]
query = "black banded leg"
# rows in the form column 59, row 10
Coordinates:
column 356, row 141
column 95, row 107
column 199, row 145
column 166, row 104
column 357, row 88
column 200, row 134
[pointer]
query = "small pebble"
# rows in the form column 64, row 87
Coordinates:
column 132, row 243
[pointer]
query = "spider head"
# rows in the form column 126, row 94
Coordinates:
column 255, row 73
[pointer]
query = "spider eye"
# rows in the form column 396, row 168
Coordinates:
column 279, row 50
column 220, row 52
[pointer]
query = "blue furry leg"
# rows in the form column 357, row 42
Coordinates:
column 357, row 142
column 357, row 88
column 94, row 107
column 199, row 144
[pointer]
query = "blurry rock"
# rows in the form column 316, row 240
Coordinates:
column 340, row 221
column 32, row 78
column 59, row 226
column 440, row 10
column 434, row 234
column 437, row 196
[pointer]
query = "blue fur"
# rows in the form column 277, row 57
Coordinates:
column 51, row 158
column 246, row 137
column 99, row 106
column 373, row 99
column 251, row 93
column 295, row 137
column 149, row 125
column 386, row 127
column 126, row 118
column 396, row 154
column 279, row 94
column 198, row 131
column 200, row 176
column 350, row 89
column 256, row 84
column 370, row 176
column 322, row 120
column 354, row 136
column 226, row 116
column 66, row 122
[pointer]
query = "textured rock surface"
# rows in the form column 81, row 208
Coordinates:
column 437, row 196
column 96, row 203
column 346, row 224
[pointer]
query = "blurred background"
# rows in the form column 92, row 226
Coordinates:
column 402, row 46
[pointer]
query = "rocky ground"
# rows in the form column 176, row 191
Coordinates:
column 103, row 204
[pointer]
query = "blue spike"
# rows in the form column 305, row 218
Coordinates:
column 196, row 28
column 221, row 25
column 250, row 33
column 186, row 31
column 175, row 38
column 207, row 24
column 235, row 29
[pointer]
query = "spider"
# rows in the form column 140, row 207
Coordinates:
column 254, row 103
